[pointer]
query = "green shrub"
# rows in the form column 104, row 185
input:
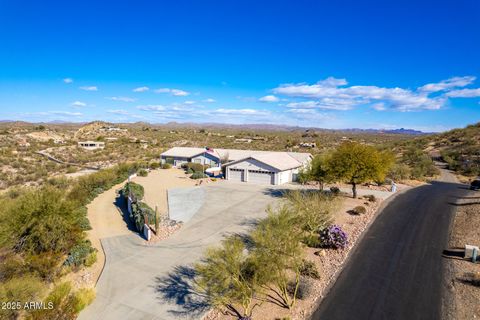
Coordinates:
column 79, row 253
column 309, row 269
column 195, row 167
column 359, row 210
column 44, row 265
column 312, row 240
column 198, row 175
column 371, row 198
column 189, row 171
column 25, row 288
column 136, row 189
column 83, row 298
column 166, row 166
column 154, row 165
column 91, row 258
column 142, row 173
column 335, row 190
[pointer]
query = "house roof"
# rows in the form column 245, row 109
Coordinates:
column 276, row 159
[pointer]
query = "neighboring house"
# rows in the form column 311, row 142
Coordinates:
column 91, row 145
column 308, row 145
column 262, row 167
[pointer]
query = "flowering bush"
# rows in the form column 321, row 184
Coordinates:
column 333, row 237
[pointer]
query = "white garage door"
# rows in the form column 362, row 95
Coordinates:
column 260, row 177
column 236, row 175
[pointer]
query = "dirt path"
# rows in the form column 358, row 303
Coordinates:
column 106, row 221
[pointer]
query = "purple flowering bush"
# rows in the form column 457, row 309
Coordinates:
column 333, row 237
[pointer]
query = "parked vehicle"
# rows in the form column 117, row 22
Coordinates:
column 475, row 185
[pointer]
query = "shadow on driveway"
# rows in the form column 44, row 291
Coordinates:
column 178, row 287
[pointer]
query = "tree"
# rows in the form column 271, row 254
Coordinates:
column 357, row 163
column 277, row 251
column 320, row 171
column 227, row 278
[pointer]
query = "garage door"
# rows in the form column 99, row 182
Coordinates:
column 236, row 175
column 260, row 177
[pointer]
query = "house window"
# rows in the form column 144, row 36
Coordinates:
column 197, row 160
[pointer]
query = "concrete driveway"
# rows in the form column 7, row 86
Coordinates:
column 153, row 281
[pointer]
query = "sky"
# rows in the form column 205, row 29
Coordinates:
column 329, row 64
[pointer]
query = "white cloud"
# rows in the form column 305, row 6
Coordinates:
column 333, row 94
column 209, row 100
column 448, row 84
column 78, row 104
column 66, row 113
column 189, row 102
column 118, row 111
column 123, row 99
column 269, row 98
column 173, row 92
column 379, row 106
column 464, row 93
column 152, row 107
column 249, row 112
column 324, row 103
column 89, row 88
column 141, row 89
column 68, row 80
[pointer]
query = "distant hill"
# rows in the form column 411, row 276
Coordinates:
column 95, row 125
column 460, row 148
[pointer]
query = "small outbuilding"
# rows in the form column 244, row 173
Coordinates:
column 91, row 145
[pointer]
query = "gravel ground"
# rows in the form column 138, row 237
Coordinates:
column 462, row 299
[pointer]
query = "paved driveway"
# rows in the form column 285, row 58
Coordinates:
column 152, row 281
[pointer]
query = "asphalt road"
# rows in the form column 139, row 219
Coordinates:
column 396, row 271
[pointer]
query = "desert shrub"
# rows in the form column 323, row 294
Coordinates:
column 302, row 291
column 83, row 298
column 44, row 265
column 371, row 198
column 189, row 171
column 64, row 304
column 91, row 258
column 196, row 167
column 155, row 165
column 25, row 288
column 79, row 253
column 198, row 175
column 84, row 224
column 140, row 211
column 136, row 189
column 142, row 173
column 333, row 237
column 166, row 166
column 399, row 172
column 39, row 221
column 313, row 210
column 309, row 269
column 335, row 190
column 359, row 210
column 312, row 240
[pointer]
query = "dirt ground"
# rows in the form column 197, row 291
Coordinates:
column 158, row 182
column 462, row 301
column 329, row 263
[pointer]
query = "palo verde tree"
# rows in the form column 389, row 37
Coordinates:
column 227, row 279
column 357, row 163
column 277, row 252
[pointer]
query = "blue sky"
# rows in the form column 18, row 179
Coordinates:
column 331, row 64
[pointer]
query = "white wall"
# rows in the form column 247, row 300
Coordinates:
column 206, row 159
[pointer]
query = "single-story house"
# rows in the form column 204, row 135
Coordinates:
column 262, row 167
column 91, row 145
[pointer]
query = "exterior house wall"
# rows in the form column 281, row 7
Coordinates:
column 252, row 164
column 206, row 158
column 177, row 161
